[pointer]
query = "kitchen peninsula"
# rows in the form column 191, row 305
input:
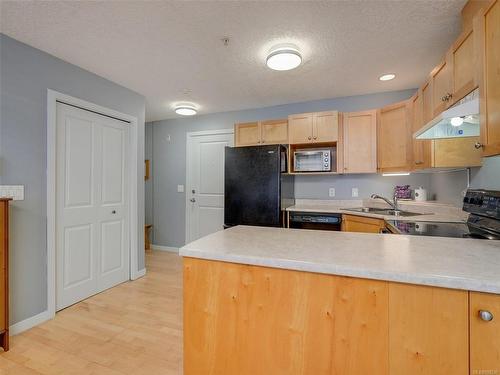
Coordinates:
column 282, row 301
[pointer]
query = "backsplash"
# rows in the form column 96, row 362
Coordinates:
column 317, row 187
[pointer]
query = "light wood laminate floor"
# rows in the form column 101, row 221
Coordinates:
column 134, row 328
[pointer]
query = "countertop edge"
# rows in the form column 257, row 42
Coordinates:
column 457, row 283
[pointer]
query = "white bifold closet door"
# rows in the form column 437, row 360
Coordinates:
column 92, row 213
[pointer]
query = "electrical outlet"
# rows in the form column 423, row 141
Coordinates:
column 16, row 192
column 331, row 192
column 355, row 192
column 180, row 188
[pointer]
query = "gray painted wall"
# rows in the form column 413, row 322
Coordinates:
column 448, row 187
column 316, row 187
column 26, row 73
column 169, row 160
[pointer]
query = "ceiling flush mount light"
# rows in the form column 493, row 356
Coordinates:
column 396, row 174
column 387, row 77
column 284, row 57
column 185, row 110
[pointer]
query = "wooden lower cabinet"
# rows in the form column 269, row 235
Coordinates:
column 353, row 223
column 428, row 330
column 250, row 320
column 484, row 334
column 247, row 320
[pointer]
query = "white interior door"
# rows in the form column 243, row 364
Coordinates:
column 205, row 182
column 92, row 204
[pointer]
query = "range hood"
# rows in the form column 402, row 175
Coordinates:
column 461, row 120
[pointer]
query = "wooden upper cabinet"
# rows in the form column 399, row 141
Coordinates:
column 428, row 330
column 464, row 77
column 421, row 148
column 484, row 334
column 441, row 84
column 487, row 36
column 261, row 132
column 360, row 142
column 394, row 137
column 247, row 134
column 317, row 127
column 274, row 131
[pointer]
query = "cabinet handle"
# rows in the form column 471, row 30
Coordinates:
column 485, row 315
column 315, row 137
column 419, row 162
column 309, row 137
column 443, row 98
column 478, row 145
column 263, row 141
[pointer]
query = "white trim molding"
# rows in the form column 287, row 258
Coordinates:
column 165, row 248
column 26, row 324
column 52, row 98
column 138, row 274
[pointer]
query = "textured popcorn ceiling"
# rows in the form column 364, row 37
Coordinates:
column 162, row 48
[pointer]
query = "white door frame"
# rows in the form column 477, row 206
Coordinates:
column 52, row 98
column 189, row 145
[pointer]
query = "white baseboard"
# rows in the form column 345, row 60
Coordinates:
column 29, row 323
column 138, row 274
column 165, row 248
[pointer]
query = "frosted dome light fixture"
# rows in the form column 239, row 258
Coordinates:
column 186, row 110
column 284, row 57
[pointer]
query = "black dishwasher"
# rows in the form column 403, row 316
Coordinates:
column 314, row 220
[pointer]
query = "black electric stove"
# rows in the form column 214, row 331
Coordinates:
column 483, row 221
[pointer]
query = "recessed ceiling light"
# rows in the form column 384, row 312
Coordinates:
column 387, row 77
column 284, row 57
column 186, row 110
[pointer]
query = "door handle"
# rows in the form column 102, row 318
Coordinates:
column 192, row 200
column 113, row 212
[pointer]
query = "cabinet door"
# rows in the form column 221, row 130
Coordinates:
column 484, row 334
column 487, row 32
column 274, row 131
column 361, row 224
column 247, row 134
column 250, row 320
column 456, row 152
column 464, row 67
column 300, row 128
column 394, row 138
column 427, row 330
column 421, row 148
column 326, row 126
column 360, row 142
column 441, row 87
column 427, row 109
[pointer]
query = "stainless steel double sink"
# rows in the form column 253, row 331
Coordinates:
column 383, row 211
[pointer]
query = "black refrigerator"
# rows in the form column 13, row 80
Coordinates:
column 257, row 188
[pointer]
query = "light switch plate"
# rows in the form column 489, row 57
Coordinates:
column 355, row 192
column 331, row 192
column 180, row 188
column 16, row 192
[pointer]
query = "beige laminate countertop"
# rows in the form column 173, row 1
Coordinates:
column 467, row 264
column 435, row 217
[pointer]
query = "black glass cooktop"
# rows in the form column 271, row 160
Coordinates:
column 427, row 228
